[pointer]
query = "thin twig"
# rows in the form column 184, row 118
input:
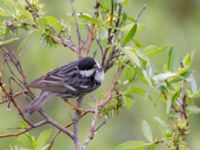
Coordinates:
column 140, row 13
column 10, row 98
column 92, row 128
column 77, row 28
column 65, row 41
column 56, row 125
column 109, row 35
column 43, row 122
column 33, row 11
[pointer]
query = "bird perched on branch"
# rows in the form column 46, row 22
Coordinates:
column 69, row 81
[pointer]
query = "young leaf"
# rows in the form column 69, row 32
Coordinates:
column 136, row 90
column 193, row 109
column 152, row 49
column 187, row 60
column 86, row 18
column 27, row 141
column 164, row 76
column 130, row 34
column 131, row 53
column 161, row 122
column 128, row 101
column 193, row 84
column 172, row 60
column 8, row 41
column 42, row 139
column 122, row 2
column 132, row 145
column 146, row 129
column 169, row 105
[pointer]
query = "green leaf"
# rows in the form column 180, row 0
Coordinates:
column 176, row 95
column 122, row 2
column 8, row 41
column 193, row 109
column 164, row 76
column 42, row 139
column 128, row 101
column 132, row 145
column 131, row 53
column 137, row 42
column 172, row 60
column 128, row 27
column 23, row 124
column 187, row 60
column 136, row 90
column 49, row 20
column 184, row 73
column 105, row 4
column 2, row 12
column 169, row 105
column 130, row 34
column 193, row 84
column 152, row 49
column 151, row 147
column 161, row 122
column 130, row 73
column 146, row 129
column 195, row 96
column 53, row 21
column 27, row 141
column 86, row 18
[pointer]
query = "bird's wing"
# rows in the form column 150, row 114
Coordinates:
column 57, row 80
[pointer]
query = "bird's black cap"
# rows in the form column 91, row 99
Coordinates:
column 86, row 63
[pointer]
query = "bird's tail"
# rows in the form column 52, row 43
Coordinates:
column 36, row 104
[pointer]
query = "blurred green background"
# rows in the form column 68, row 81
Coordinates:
column 169, row 22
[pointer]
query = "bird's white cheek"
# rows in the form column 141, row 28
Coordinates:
column 87, row 73
column 99, row 76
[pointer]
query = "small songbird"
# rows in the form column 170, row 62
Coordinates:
column 69, row 81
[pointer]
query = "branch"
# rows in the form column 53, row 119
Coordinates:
column 56, row 125
column 77, row 28
column 11, row 99
column 109, row 35
column 43, row 122
column 92, row 128
column 91, row 31
column 75, row 125
column 112, row 88
column 65, row 41
column 66, row 126
column 33, row 11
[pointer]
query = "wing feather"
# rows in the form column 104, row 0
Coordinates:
column 58, row 80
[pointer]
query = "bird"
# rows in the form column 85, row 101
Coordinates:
column 72, row 80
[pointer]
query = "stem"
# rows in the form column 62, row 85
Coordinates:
column 75, row 125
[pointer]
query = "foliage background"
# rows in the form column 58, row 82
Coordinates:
column 166, row 22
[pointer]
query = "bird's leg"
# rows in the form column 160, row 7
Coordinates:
column 78, row 109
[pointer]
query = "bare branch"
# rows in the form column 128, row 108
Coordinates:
column 66, row 126
column 92, row 128
column 43, row 122
column 77, row 28
column 140, row 13
column 75, row 125
column 10, row 98
column 56, row 125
